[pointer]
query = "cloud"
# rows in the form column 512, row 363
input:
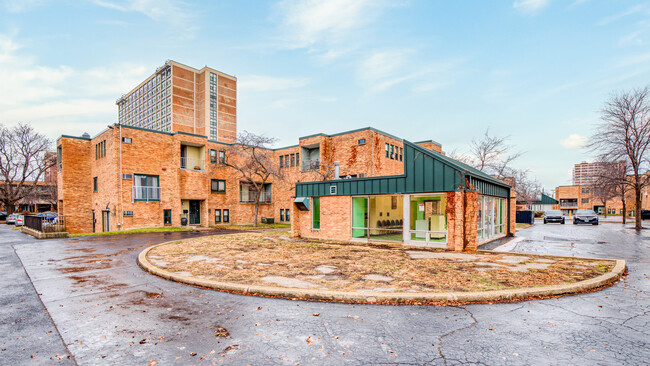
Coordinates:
column 19, row 6
column 171, row 12
column 381, row 70
column 529, row 6
column 574, row 142
column 329, row 29
column 616, row 17
column 57, row 97
column 262, row 83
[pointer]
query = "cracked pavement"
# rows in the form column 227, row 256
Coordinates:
column 105, row 310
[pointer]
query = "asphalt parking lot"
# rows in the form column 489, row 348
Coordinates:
column 87, row 298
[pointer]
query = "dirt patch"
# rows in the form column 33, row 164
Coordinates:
column 252, row 259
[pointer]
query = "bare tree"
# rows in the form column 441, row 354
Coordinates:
column 528, row 190
column 613, row 180
column 22, row 162
column 252, row 159
column 624, row 134
column 491, row 154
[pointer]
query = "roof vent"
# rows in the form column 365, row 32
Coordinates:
column 86, row 135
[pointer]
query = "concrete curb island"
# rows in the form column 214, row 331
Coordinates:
column 386, row 297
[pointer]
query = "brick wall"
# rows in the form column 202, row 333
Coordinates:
column 335, row 219
column 75, row 184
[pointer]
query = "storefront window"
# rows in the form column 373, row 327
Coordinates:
column 428, row 218
column 491, row 217
column 315, row 213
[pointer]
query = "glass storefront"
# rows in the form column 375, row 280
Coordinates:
column 378, row 217
column 492, row 216
column 428, row 218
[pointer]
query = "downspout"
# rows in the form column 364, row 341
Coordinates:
column 119, row 176
column 509, row 218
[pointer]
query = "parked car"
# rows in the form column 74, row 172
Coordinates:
column 3, row 216
column 645, row 214
column 553, row 216
column 585, row 217
column 20, row 220
column 48, row 216
column 11, row 219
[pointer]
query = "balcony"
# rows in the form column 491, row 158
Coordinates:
column 309, row 165
column 265, row 197
column 192, row 163
column 146, row 193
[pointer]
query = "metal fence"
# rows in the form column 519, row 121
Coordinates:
column 45, row 225
column 144, row 193
column 192, row 163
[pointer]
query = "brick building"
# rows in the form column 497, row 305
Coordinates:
column 165, row 164
column 422, row 203
column 572, row 198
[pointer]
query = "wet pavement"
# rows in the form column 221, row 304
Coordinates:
column 108, row 311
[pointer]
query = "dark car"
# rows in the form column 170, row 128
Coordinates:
column 645, row 214
column 3, row 216
column 585, row 217
column 553, row 216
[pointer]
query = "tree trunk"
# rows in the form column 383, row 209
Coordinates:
column 637, row 207
column 605, row 208
column 9, row 206
column 624, row 211
column 257, row 207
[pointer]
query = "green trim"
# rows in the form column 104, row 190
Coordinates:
column 351, row 131
column 189, row 134
column 218, row 180
column 284, row 148
column 74, row 137
column 143, row 129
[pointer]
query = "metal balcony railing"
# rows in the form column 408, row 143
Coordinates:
column 310, row 165
column 192, row 163
column 143, row 193
column 265, row 197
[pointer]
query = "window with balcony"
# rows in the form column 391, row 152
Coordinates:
column 310, row 158
column 146, row 188
column 248, row 192
column 568, row 202
column 192, row 157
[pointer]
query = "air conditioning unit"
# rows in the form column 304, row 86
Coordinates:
column 268, row 220
column 127, row 176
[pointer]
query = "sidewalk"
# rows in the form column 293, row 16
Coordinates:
column 273, row 264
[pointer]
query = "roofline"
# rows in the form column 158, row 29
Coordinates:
column 425, row 141
column 351, row 131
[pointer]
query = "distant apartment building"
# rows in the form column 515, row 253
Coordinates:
column 585, row 174
column 572, row 198
column 179, row 98
column 166, row 166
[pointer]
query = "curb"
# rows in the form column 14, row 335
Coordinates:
column 390, row 297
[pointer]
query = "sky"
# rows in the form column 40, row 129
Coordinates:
column 538, row 71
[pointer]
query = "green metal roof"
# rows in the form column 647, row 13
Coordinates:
column 425, row 171
column 546, row 200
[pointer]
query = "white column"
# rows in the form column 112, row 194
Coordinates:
column 406, row 203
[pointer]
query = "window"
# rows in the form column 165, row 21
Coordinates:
column 127, row 213
column 127, row 140
column 401, row 151
column 218, row 185
column 146, row 187
column 217, row 216
column 281, row 161
column 226, row 215
column 362, row 141
column 315, row 214
column 167, row 217
column 213, row 156
column 297, row 159
column 59, row 153
column 95, row 184
column 248, row 191
column 286, row 215
column 621, row 212
column 281, row 214
column 585, row 190
column 293, row 160
column 387, row 150
column 585, row 200
column 392, row 152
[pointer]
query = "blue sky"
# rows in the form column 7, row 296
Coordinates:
column 537, row 70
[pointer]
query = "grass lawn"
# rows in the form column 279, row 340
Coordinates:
column 251, row 227
column 256, row 258
column 136, row 231
column 522, row 226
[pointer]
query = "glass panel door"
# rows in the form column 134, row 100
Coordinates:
column 359, row 217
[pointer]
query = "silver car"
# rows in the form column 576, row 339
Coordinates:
column 11, row 219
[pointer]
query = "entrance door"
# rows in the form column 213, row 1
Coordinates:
column 359, row 217
column 106, row 225
column 195, row 212
column 94, row 221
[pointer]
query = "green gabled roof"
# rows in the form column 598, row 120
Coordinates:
column 425, row 171
column 546, row 200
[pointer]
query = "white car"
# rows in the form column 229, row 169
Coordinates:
column 20, row 220
column 11, row 219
